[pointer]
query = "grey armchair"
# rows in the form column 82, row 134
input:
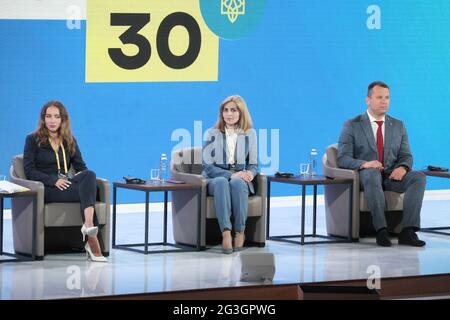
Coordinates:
column 336, row 202
column 58, row 224
column 185, row 165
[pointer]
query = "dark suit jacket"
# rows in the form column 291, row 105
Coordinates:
column 215, row 156
column 357, row 144
column 39, row 162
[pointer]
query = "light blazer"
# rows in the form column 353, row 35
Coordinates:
column 215, row 156
column 357, row 144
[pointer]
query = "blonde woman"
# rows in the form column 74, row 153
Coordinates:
column 48, row 155
column 230, row 166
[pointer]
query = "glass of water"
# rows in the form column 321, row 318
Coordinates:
column 304, row 169
column 154, row 176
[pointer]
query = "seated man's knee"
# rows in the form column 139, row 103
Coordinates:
column 370, row 176
column 419, row 177
column 370, row 173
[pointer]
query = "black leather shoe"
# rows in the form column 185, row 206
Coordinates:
column 383, row 238
column 409, row 237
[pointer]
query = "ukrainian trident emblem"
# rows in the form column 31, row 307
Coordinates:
column 232, row 8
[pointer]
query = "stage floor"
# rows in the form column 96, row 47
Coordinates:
column 71, row 276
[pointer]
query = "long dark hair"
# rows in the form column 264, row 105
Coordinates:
column 65, row 131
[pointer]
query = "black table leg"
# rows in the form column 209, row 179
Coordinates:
column 18, row 257
column 147, row 200
column 33, row 241
column 165, row 218
column 199, row 218
column 268, row 211
column 314, row 211
column 350, row 214
column 114, row 217
column 303, row 236
column 303, row 214
column 1, row 226
column 436, row 230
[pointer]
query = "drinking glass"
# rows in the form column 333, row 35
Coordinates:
column 304, row 169
column 154, row 176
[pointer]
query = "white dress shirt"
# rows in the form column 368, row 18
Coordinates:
column 375, row 125
column 231, row 136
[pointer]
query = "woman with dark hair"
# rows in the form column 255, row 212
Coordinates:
column 49, row 153
column 230, row 163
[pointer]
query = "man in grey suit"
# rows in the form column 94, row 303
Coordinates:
column 377, row 145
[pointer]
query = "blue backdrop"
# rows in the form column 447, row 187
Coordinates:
column 304, row 71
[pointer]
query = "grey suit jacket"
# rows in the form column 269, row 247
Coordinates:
column 215, row 156
column 357, row 144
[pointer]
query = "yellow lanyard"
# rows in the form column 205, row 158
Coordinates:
column 57, row 158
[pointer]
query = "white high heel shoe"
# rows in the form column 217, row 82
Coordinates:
column 91, row 232
column 90, row 254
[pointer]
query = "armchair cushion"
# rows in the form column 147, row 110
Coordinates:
column 394, row 201
column 68, row 214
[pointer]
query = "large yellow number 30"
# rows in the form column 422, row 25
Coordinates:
column 122, row 35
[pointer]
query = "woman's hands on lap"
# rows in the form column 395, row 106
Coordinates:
column 247, row 176
column 62, row 184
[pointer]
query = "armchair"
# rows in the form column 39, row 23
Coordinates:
column 186, row 165
column 53, row 217
column 336, row 202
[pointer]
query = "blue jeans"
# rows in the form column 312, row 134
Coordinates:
column 230, row 198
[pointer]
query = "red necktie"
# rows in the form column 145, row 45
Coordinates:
column 380, row 144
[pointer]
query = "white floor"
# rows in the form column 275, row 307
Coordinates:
column 70, row 275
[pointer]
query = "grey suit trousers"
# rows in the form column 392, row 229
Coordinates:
column 230, row 197
column 412, row 184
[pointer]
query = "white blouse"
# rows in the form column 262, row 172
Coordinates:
column 231, row 136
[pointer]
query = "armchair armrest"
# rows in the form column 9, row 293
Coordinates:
column 22, row 216
column 345, row 174
column 336, row 205
column 262, row 184
column 36, row 186
column 103, row 186
column 197, row 179
column 340, row 173
column 332, row 171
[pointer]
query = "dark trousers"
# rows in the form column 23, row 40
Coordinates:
column 83, row 189
column 413, row 185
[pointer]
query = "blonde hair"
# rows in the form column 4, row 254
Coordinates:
column 65, row 131
column 245, row 120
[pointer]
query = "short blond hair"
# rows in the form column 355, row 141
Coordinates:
column 245, row 120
